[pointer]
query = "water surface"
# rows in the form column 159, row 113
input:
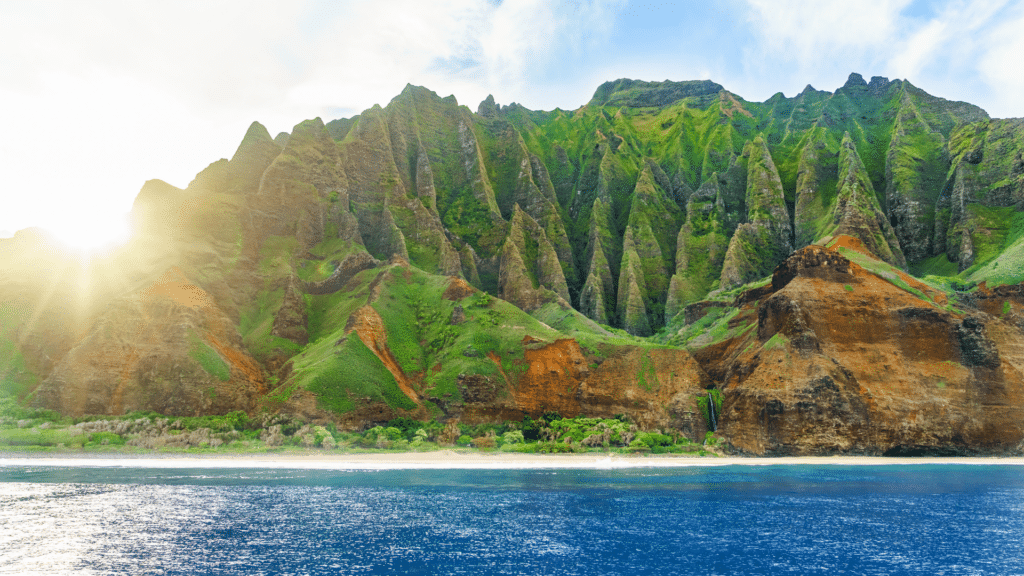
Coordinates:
column 924, row 519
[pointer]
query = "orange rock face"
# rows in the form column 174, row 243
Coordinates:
column 656, row 389
column 166, row 348
column 843, row 361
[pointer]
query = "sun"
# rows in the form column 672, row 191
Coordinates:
column 91, row 234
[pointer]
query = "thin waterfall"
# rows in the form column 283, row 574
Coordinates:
column 712, row 418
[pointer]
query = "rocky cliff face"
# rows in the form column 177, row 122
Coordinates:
column 843, row 360
column 165, row 348
column 421, row 259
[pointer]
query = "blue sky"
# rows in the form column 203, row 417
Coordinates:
column 98, row 97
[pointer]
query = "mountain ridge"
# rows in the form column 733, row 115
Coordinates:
column 421, row 259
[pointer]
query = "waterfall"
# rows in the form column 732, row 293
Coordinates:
column 711, row 412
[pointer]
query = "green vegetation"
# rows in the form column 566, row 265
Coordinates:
column 646, row 377
column 882, row 270
column 1000, row 248
column 41, row 430
column 778, row 341
column 702, row 404
column 209, row 359
column 343, row 374
column 934, row 266
column 16, row 378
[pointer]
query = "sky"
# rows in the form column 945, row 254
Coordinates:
column 98, row 97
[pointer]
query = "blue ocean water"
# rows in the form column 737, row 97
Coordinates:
column 919, row 519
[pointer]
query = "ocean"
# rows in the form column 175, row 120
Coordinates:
column 793, row 519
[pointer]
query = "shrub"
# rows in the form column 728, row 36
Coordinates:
column 513, row 437
column 653, row 439
column 639, row 445
column 104, row 439
column 531, row 428
column 420, row 439
column 484, row 442
column 322, row 437
column 407, row 425
column 450, row 433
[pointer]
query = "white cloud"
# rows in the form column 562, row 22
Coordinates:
column 96, row 98
column 1000, row 66
column 919, row 49
column 464, row 47
column 955, row 49
column 812, row 31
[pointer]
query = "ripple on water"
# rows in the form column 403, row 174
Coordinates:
column 771, row 520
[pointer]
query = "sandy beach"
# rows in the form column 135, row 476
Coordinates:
column 451, row 459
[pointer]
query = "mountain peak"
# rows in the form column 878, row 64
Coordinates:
column 256, row 136
column 640, row 93
column 854, row 80
column 487, row 108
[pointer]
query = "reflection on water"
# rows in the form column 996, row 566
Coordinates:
column 749, row 520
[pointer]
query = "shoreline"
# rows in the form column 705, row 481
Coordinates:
column 457, row 460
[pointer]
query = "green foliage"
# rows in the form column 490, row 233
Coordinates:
column 15, row 376
column 348, row 372
column 257, row 321
column 702, row 405
column 209, row 359
column 639, row 445
column 104, row 439
column 935, row 266
column 414, row 312
column 36, row 437
column 1003, row 246
column 236, row 431
column 11, row 409
column 883, row 271
column 513, row 437
column 492, row 335
column 646, row 377
column 712, row 328
column 778, row 341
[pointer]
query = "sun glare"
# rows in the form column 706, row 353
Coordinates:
column 91, row 235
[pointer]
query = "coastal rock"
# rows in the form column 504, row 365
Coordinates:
column 844, row 361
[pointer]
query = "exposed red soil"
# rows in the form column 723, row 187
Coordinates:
column 369, row 326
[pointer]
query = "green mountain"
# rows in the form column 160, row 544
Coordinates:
column 421, row 259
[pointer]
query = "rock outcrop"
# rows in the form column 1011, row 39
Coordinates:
column 845, row 361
